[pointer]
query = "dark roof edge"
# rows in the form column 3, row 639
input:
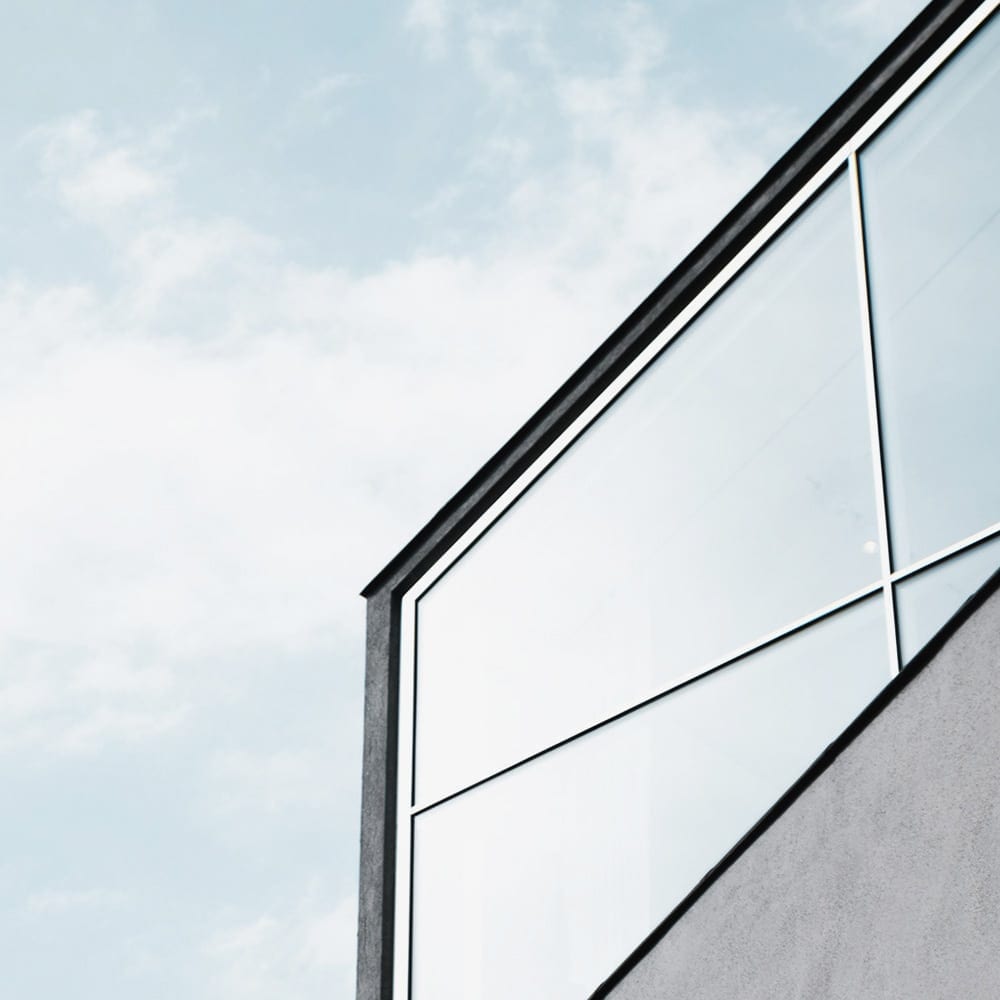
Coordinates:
column 868, row 715
column 926, row 32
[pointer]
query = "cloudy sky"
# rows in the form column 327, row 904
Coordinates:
column 275, row 278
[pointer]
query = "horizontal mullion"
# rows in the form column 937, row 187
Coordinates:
column 712, row 667
column 970, row 541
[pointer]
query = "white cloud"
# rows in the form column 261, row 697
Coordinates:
column 113, row 675
column 322, row 101
column 838, row 22
column 879, row 19
column 487, row 36
column 78, row 700
column 38, row 321
column 96, row 180
column 307, row 952
column 329, row 86
column 183, row 252
column 211, row 454
column 111, row 181
column 329, row 940
column 164, row 137
column 274, row 782
column 505, row 44
column 113, row 726
column 50, row 902
column 641, row 175
column 431, row 19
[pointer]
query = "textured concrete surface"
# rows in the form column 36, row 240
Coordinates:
column 882, row 879
column 378, row 801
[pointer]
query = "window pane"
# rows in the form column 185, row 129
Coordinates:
column 726, row 493
column 931, row 204
column 924, row 602
column 538, row 883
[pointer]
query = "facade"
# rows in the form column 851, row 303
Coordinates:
column 635, row 648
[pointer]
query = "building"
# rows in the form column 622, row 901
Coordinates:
column 675, row 697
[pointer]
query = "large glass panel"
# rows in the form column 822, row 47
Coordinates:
column 924, row 602
column 726, row 493
column 932, row 207
column 538, row 883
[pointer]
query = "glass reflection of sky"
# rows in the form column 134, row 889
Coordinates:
column 727, row 493
column 538, row 883
column 924, row 602
column 933, row 225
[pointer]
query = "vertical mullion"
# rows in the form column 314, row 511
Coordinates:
column 874, row 426
column 403, row 899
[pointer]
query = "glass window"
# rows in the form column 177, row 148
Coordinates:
column 924, row 602
column 727, row 493
column 932, row 208
column 538, row 883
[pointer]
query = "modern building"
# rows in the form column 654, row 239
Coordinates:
column 678, row 697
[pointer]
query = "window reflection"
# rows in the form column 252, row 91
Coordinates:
column 726, row 494
column 932, row 207
column 926, row 601
column 537, row 883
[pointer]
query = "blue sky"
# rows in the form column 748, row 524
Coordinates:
column 274, row 280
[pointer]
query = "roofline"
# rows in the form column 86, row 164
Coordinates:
column 924, row 34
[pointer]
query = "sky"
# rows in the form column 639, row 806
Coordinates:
column 275, row 279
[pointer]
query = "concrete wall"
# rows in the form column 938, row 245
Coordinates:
column 377, row 883
column 882, row 879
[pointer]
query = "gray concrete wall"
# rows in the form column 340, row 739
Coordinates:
column 377, row 883
column 882, row 880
